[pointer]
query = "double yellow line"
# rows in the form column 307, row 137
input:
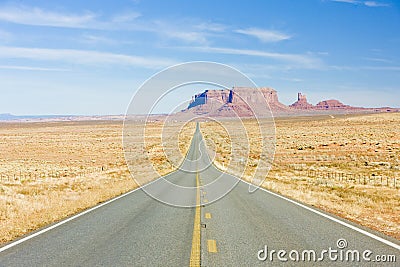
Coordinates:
column 195, row 254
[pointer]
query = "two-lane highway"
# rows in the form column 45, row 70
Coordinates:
column 235, row 230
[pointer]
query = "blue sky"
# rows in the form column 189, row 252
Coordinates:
column 89, row 57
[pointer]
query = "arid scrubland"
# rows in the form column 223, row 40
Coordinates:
column 347, row 165
column 51, row 170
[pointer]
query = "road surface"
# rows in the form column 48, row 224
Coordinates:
column 239, row 229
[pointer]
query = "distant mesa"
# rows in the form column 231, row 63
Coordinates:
column 331, row 104
column 7, row 116
column 234, row 102
column 239, row 101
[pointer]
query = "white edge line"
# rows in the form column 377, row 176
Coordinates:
column 64, row 221
column 387, row 242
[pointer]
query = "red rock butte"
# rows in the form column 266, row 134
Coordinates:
column 242, row 101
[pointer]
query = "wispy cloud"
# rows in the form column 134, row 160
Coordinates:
column 34, row 16
column 381, row 68
column 265, row 36
column 375, row 59
column 97, row 39
column 5, row 36
column 210, row 26
column 187, row 31
column 40, row 17
column 126, row 17
column 30, row 68
column 185, row 36
column 296, row 60
column 347, row 1
column 357, row 68
column 366, row 3
column 374, row 4
column 83, row 57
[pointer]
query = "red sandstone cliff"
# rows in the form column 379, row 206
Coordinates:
column 239, row 101
column 244, row 101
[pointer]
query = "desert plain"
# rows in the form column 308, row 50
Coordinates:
column 347, row 165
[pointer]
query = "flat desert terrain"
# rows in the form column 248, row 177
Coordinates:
column 347, row 165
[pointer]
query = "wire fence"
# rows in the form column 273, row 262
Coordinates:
column 322, row 176
column 19, row 177
column 352, row 178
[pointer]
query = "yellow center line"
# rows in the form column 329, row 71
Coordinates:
column 195, row 253
column 212, row 246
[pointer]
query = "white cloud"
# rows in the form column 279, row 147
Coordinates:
column 30, row 68
column 347, row 1
column 186, row 36
column 5, row 36
column 212, row 27
column 126, row 17
column 382, row 68
column 374, row 4
column 83, row 57
column 366, row 3
column 265, row 36
column 357, row 68
column 296, row 60
column 39, row 17
column 96, row 39
column 186, row 30
column 375, row 59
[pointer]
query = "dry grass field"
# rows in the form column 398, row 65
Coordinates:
column 51, row 170
column 347, row 165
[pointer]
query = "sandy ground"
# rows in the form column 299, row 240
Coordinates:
column 51, row 170
column 347, row 165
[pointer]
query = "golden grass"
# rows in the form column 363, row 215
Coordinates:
column 166, row 144
column 49, row 171
column 61, row 168
column 312, row 153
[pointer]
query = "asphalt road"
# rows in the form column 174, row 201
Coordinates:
column 137, row 230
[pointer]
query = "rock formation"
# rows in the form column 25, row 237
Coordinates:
column 332, row 104
column 238, row 101
column 301, row 102
column 242, row 101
